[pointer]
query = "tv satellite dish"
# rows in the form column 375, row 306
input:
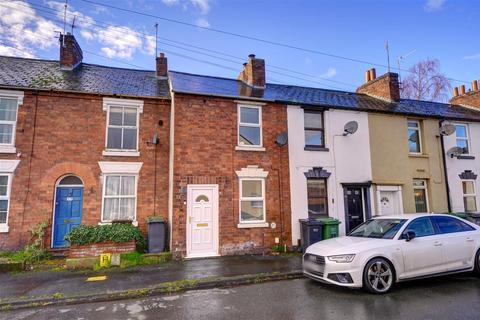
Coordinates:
column 350, row 128
column 447, row 129
column 282, row 139
column 455, row 152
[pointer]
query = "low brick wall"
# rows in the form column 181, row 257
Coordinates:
column 95, row 249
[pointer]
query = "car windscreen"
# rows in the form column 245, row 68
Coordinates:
column 378, row 228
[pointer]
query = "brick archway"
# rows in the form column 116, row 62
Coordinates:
column 84, row 172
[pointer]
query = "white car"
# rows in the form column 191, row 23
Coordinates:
column 386, row 250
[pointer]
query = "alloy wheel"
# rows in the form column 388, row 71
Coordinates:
column 380, row 276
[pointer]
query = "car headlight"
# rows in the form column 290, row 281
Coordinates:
column 342, row 258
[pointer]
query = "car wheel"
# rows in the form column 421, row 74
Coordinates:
column 378, row 276
column 477, row 263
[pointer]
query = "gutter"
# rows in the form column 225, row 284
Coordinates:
column 444, row 160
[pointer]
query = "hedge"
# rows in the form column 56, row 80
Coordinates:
column 84, row 234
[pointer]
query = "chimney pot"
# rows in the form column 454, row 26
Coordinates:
column 162, row 66
column 367, row 76
column 373, row 74
column 474, row 85
column 251, row 56
column 462, row 89
column 455, row 92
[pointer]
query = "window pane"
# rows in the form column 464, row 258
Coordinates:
column 6, row 131
column 251, row 188
column 412, row 124
column 130, row 139
column 128, row 186
column 462, row 143
column 419, row 183
column 317, row 196
column 448, row 225
column 249, row 115
column 313, row 120
column 420, row 200
column 130, row 117
column 251, row 211
column 317, row 206
column 470, row 204
column 112, row 185
column 413, row 141
column 8, row 109
column 127, row 209
column 461, row 131
column 313, row 138
column 110, row 211
column 3, row 185
column 249, row 136
column 71, row 180
column 422, row 227
column 468, row 187
column 114, row 139
column 316, row 187
column 3, row 211
column 115, row 117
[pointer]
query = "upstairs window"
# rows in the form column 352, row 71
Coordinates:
column 469, row 196
column 414, row 136
column 9, row 103
column 317, row 197
column 314, row 131
column 461, row 133
column 249, row 126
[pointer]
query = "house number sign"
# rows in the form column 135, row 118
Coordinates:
column 69, row 199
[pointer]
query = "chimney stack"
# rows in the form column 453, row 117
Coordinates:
column 253, row 73
column 71, row 54
column 470, row 99
column 385, row 87
column 162, row 66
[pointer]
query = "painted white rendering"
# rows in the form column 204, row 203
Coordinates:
column 345, row 158
column 465, row 168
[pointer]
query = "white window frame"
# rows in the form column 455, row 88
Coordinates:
column 419, row 129
column 467, row 138
column 18, row 95
column 242, row 124
column 7, row 167
column 465, row 195
column 424, row 187
column 108, row 103
column 104, row 196
column 119, row 169
column 242, row 198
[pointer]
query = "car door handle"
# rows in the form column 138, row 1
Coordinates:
column 469, row 240
column 437, row 243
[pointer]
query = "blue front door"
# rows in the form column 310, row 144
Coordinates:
column 68, row 213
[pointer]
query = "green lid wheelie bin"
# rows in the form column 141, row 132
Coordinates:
column 330, row 227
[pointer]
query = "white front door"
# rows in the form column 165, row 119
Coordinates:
column 202, row 221
column 387, row 203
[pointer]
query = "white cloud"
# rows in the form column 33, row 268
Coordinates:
column 202, row 23
column 23, row 32
column 171, row 2
column 100, row 9
column 434, row 5
column 330, row 73
column 472, row 57
column 202, row 5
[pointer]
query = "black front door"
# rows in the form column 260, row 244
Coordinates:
column 354, row 207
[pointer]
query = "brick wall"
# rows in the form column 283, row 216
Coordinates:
column 205, row 140
column 469, row 99
column 65, row 134
column 70, row 52
column 385, row 87
column 96, row 249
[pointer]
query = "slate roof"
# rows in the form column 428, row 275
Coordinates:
column 216, row 86
column 89, row 78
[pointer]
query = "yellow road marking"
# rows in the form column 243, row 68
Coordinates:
column 98, row 278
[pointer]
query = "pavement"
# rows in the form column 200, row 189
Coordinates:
column 33, row 289
column 452, row 297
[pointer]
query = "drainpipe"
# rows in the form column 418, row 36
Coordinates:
column 449, row 205
column 170, row 168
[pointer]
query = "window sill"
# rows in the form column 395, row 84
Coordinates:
column 466, row 157
column 247, row 148
column 121, row 153
column 252, row 225
column 8, row 149
column 314, row 148
column 418, row 155
column 105, row 223
column 3, row 228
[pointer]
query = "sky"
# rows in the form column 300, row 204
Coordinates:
column 327, row 44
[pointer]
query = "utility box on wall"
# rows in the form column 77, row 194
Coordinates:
column 156, row 234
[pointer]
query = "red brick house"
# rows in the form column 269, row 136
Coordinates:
column 76, row 145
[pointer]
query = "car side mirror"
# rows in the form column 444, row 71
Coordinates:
column 410, row 235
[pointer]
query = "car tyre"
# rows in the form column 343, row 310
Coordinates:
column 378, row 276
column 477, row 263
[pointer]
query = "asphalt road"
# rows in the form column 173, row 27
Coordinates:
column 454, row 297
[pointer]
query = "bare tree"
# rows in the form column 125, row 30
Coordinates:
column 425, row 82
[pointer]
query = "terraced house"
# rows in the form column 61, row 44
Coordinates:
column 231, row 164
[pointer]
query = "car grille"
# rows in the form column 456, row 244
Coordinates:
column 314, row 264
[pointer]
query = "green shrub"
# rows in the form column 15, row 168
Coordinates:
column 84, row 235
